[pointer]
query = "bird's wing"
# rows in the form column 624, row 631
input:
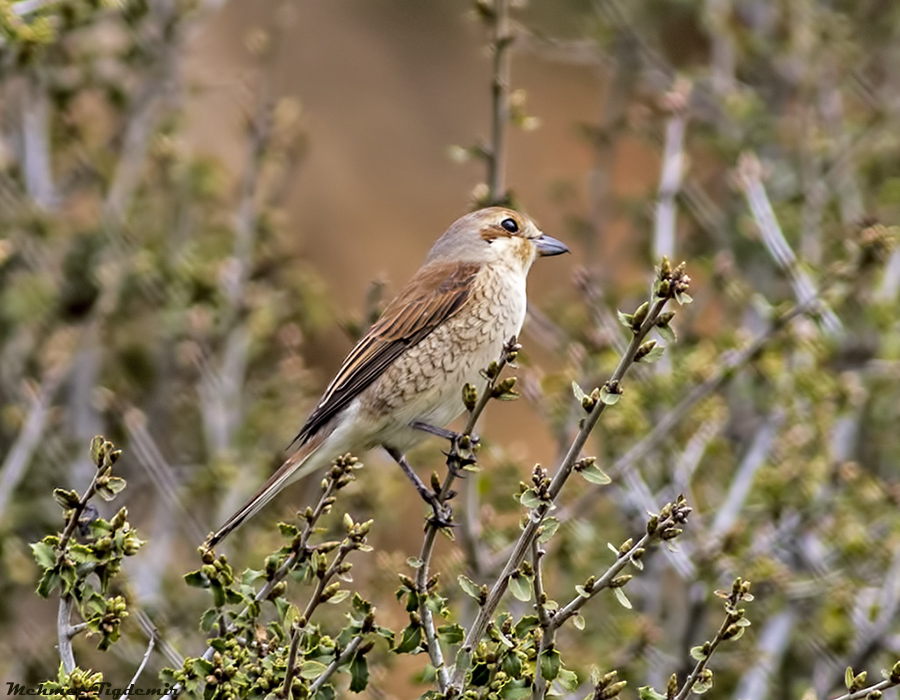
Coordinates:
column 433, row 295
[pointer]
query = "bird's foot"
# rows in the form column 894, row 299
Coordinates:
column 459, row 440
column 442, row 513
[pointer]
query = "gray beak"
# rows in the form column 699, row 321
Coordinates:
column 547, row 245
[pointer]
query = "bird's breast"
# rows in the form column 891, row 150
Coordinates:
column 425, row 382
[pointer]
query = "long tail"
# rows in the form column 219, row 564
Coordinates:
column 298, row 465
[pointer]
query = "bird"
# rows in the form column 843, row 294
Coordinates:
column 404, row 378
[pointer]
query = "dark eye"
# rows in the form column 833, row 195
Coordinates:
column 510, row 225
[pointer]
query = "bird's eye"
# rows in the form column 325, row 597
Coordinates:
column 510, row 225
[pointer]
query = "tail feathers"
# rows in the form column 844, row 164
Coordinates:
column 296, row 466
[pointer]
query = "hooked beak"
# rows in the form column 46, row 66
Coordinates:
column 547, row 245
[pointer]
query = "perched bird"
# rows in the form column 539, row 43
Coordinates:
column 404, row 378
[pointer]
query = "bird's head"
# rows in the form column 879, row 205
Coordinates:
column 495, row 235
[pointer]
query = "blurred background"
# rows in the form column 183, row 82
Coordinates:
column 203, row 204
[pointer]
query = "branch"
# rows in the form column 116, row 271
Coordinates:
column 495, row 153
column 431, row 529
column 140, row 669
column 670, row 283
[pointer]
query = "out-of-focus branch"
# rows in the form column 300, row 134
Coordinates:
column 19, row 456
column 676, row 103
column 36, row 144
column 501, row 41
column 749, row 177
column 670, row 283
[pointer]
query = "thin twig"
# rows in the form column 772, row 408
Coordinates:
column 495, row 152
column 536, row 516
column 291, row 662
column 431, row 528
column 335, row 665
column 140, row 669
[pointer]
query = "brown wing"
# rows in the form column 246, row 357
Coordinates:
column 432, row 296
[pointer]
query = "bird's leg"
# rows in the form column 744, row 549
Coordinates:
column 456, row 463
column 443, row 514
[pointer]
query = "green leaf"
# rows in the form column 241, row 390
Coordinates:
column 511, row 665
column 582, row 591
column 578, row 621
column 648, row 693
column 287, row 530
column 567, row 679
column 698, row 653
column 412, row 637
column 703, row 683
column 470, row 588
column 414, row 562
column 311, row 670
column 511, row 691
column 684, row 298
column 451, row 634
column 521, row 587
column 608, row 397
column 527, row 623
column 622, row 598
column 208, row 619
column 578, row 391
column 113, row 485
column 653, row 355
column 196, row 579
column 595, row 475
column 326, row 692
column 49, row 581
column 202, row 667
column 66, row 499
column 530, row 499
column 666, row 332
column 550, row 664
column 339, row 597
column 359, row 674
column 548, row 529
column 626, row 320
column 44, row 555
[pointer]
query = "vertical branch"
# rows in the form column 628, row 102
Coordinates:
column 36, row 144
column 676, row 103
column 749, row 176
column 501, row 41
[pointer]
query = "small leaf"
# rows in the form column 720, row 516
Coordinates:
column 530, row 499
column 521, row 587
column 414, row 562
column 470, row 588
column 359, row 674
column 622, row 598
column 567, row 679
column 608, row 397
column 578, row 391
column 593, row 474
column 451, row 634
column 626, row 320
column 698, row 653
column 685, row 298
column 578, row 621
column 666, row 332
column 703, row 683
column 582, row 591
column 66, row 499
column 339, row 597
column 550, row 664
column 548, row 529
column 44, row 555
column 648, row 693
column 196, row 579
column 208, row 619
column 311, row 670
column 409, row 642
column 653, row 355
